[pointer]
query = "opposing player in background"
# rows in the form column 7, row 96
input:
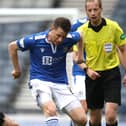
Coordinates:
column 78, row 75
column 48, row 77
column 6, row 121
column 102, row 37
column 77, row 72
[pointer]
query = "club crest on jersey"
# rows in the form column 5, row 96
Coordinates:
column 123, row 36
column 42, row 50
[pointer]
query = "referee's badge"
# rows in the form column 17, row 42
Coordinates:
column 108, row 47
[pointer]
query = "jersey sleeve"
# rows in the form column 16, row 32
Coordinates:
column 75, row 25
column 26, row 43
column 120, row 36
column 78, row 23
column 75, row 36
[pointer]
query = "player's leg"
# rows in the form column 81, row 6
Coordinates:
column 77, row 113
column 111, row 114
column 95, row 100
column 112, row 97
column 78, row 89
column 43, row 95
column 50, row 112
column 95, row 117
column 70, row 104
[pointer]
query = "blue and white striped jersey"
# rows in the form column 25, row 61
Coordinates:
column 47, row 61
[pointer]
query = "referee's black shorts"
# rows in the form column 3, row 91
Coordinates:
column 107, row 88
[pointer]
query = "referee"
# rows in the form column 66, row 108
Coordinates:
column 102, row 38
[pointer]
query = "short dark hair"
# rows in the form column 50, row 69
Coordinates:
column 63, row 23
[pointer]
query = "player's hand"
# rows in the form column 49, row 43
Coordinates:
column 9, row 122
column 92, row 74
column 16, row 74
column 124, row 80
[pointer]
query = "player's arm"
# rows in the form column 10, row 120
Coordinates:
column 122, row 57
column 79, row 53
column 91, row 73
column 13, row 54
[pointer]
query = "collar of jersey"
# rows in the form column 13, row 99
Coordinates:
column 46, row 40
column 99, row 27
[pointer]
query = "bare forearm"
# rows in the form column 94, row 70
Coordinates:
column 12, row 49
column 122, row 55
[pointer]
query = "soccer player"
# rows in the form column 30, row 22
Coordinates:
column 77, row 72
column 102, row 37
column 48, row 77
column 6, row 121
column 78, row 75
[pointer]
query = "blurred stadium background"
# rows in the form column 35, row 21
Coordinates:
column 15, row 97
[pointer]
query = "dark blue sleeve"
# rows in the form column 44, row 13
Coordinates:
column 78, row 23
column 76, row 36
column 26, row 43
column 75, row 26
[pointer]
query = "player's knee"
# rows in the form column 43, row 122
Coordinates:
column 84, row 121
column 111, row 116
column 81, row 121
column 51, row 111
